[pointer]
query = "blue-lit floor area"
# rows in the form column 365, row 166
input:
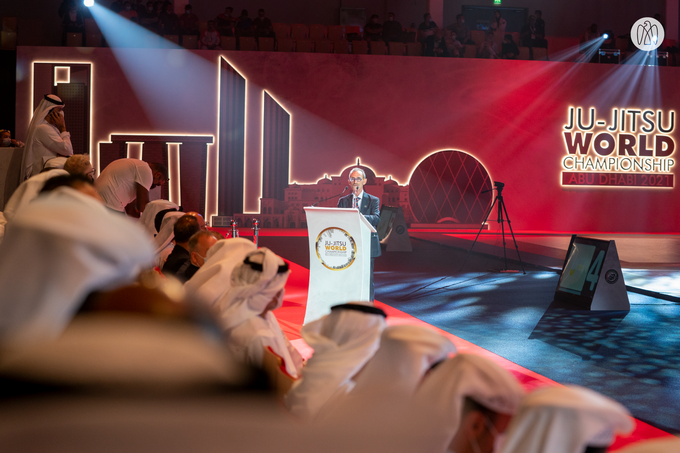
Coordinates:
column 630, row 356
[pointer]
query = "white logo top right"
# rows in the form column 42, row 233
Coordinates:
column 647, row 34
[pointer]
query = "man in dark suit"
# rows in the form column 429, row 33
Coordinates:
column 368, row 205
column 180, row 258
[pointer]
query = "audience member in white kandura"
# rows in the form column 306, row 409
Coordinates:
column 213, row 279
column 464, row 405
column 162, row 243
column 125, row 181
column 343, row 342
column 385, row 386
column 148, row 217
column 257, row 288
column 569, row 419
column 46, row 136
column 78, row 164
column 57, row 250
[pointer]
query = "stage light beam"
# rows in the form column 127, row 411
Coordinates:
column 88, row 3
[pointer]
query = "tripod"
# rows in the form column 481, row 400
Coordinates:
column 501, row 211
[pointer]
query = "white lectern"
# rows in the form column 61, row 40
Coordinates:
column 339, row 261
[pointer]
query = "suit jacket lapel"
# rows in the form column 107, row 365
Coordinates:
column 364, row 203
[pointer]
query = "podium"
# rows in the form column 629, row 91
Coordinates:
column 339, row 261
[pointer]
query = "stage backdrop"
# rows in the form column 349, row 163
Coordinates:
column 580, row 147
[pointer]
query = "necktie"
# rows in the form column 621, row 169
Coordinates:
column 356, row 202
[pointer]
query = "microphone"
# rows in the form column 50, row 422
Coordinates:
column 330, row 198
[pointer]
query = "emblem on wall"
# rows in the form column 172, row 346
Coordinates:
column 647, row 34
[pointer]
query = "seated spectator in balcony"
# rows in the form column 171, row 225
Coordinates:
column 540, row 30
column 149, row 19
column 440, row 49
column 497, row 24
column 188, row 22
column 461, row 30
column 373, row 29
column 128, row 12
column 169, row 21
column 527, row 36
column 426, row 34
column 158, row 8
column 139, row 6
column 63, row 8
column 117, row 6
column 510, row 51
column 225, row 22
column 263, row 26
column 244, row 25
column 391, row 29
column 180, row 259
column 7, row 141
column 453, row 47
column 210, row 38
column 488, row 48
column 72, row 22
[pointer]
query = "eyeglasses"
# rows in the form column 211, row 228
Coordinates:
column 356, row 179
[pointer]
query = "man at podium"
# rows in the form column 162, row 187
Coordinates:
column 369, row 206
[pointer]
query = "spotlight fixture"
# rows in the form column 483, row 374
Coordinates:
column 89, row 3
column 605, row 36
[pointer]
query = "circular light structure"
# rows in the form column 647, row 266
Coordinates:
column 89, row 3
column 605, row 36
column 450, row 185
column 647, row 34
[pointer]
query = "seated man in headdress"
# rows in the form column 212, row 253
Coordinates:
column 58, row 249
column 29, row 189
column 566, row 419
column 257, row 288
column 343, row 342
column 464, row 405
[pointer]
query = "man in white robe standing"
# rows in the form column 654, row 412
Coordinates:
column 46, row 137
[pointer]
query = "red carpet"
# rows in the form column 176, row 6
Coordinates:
column 291, row 315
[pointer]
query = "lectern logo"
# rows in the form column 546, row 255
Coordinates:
column 647, row 34
column 336, row 249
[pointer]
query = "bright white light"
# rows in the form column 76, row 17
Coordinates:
column 89, row 3
column 605, row 36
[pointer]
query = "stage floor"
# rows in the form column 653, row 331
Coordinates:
column 629, row 356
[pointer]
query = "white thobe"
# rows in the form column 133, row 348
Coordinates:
column 48, row 142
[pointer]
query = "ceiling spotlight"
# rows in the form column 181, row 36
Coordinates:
column 89, row 3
